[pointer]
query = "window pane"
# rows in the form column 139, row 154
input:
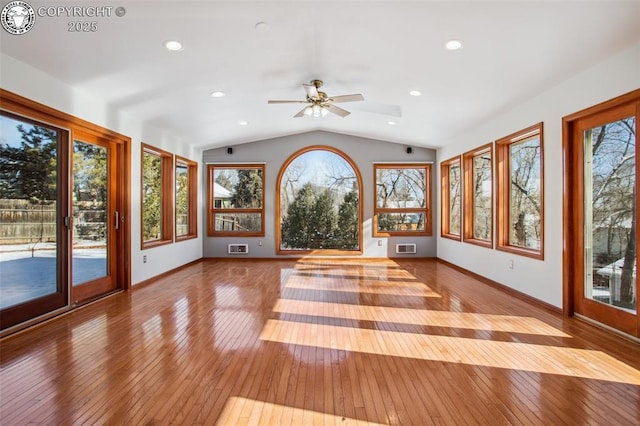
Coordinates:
column 610, row 209
column 482, row 188
column 401, row 188
column 28, row 205
column 524, row 214
column 151, row 197
column 182, row 200
column 454, row 199
column 238, row 222
column 90, row 232
column 319, row 203
column 401, row 222
column 237, row 188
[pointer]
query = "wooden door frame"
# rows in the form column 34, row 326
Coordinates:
column 97, row 287
column 573, row 193
column 23, row 107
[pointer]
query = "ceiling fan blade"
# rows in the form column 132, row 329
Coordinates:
column 301, row 113
column 337, row 110
column 347, row 98
column 312, row 92
column 287, row 102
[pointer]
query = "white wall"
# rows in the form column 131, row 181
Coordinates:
column 364, row 152
column 612, row 77
column 24, row 80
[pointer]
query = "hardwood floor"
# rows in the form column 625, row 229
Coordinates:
column 317, row 342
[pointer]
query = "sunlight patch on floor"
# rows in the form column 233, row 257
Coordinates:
column 244, row 411
column 573, row 362
column 403, row 284
column 466, row 320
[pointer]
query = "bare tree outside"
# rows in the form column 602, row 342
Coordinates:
column 525, row 194
column 401, row 198
column 455, row 199
column 610, row 212
column 482, row 199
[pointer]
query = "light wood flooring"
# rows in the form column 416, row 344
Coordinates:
column 317, row 342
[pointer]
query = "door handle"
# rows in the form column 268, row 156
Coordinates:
column 117, row 220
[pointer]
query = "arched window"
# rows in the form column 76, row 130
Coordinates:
column 319, row 203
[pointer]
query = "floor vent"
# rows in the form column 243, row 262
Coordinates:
column 405, row 248
column 238, row 249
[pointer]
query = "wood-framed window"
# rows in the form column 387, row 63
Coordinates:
column 520, row 193
column 236, row 199
column 319, row 203
column 403, row 199
column 478, row 196
column 451, row 198
column 186, row 196
column 157, row 196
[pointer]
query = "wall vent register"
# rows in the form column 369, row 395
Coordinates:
column 405, row 248
column 238, row 249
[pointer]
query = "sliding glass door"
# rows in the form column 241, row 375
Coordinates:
column 32, row 230
column 63, row 199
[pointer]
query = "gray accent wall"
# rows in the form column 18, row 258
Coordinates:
column 364, row 153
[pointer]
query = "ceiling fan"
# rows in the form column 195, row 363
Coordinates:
column 319, row 104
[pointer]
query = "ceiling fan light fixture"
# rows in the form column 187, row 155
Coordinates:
column 308, row 111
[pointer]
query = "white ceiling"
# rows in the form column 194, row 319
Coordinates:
column 382, row 49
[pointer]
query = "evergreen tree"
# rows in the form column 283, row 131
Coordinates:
column 297, row 230
column 247, row 193
column 90, row 171
column 323, row 221
column 29, row 172
column 347, row 228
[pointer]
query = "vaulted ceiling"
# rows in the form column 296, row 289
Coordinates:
column 256, row 51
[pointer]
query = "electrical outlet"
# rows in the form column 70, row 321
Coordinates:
column 260, row 243
column 510, row 263
column 144, row 258
column 379, row 243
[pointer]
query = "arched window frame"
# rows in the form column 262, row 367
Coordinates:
column 278, row 215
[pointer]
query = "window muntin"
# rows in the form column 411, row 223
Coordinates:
column 520, row 215
column 186, row 198
column 402, row 199
column 451, row 198
column 319, row 204
column 157, row 209
column 236, row 199
column 478, row 196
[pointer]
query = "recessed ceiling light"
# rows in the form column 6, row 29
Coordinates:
column 243, row 123
column 173, row 45
column 391, row 123
column 415, row 93
column 217, row 94
column 453, row 45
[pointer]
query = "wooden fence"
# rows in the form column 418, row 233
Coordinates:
column 24, row 222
